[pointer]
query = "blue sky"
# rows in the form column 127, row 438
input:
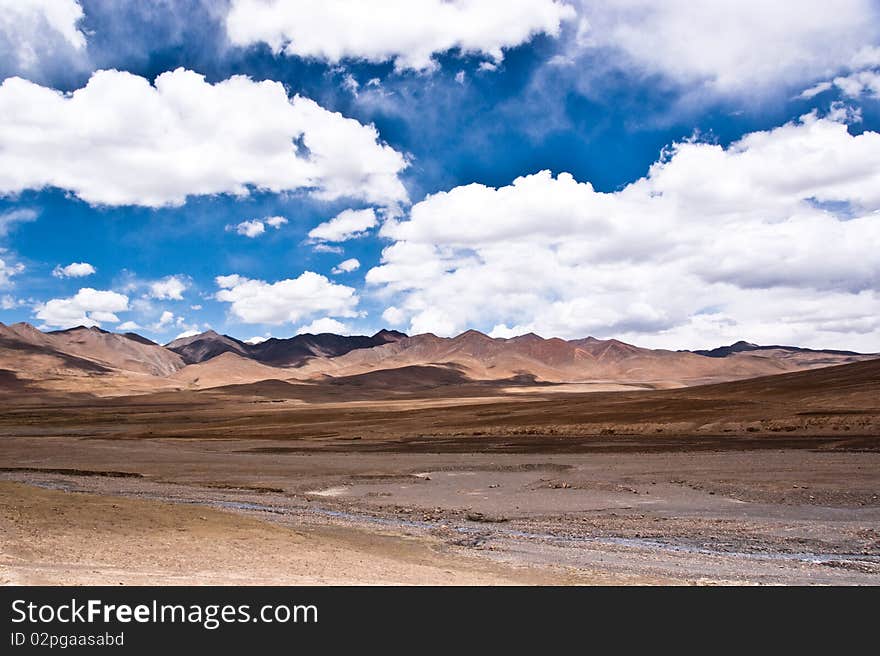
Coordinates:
column 674, row 175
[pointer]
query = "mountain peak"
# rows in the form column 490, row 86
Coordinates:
column 80, row 329
column 389, row 335
column 723, row 351
column 471, row 334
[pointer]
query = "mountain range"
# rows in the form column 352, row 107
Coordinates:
column 95, row 361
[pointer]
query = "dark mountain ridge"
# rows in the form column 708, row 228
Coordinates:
column 279, row 352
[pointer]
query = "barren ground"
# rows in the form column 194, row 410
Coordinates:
column 253, row 485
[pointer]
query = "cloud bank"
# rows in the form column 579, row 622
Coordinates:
column 287, row 301
column 723, row 46
column 773, row 238
column 33, row 32
column 408, row 32
column 123, row 141
column 88, row 307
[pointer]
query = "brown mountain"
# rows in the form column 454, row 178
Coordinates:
column 228, row 368
column 99, row 362
column 481, row 357
column 288, row 352
column 82, row 360
column 92, row 349
column 205, row 346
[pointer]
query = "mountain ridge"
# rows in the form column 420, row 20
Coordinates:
column 82, row 355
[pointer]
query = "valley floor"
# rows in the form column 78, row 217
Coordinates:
column 768, row 481
column 164, row 511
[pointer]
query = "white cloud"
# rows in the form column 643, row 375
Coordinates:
column 73, row 270
column 327, row 248
column 394, row 316
column 348, row 224
column 324, row 325
column 170, row 288
column 349, row 82
column 251, row 229
column 865, row 82
column 89, row 307
column 122, row 141
column 815, row 90
column 347, row 266
column 12, row 217
column 773, row 238
column 290, row 300
column 8, row 302
column 195, row 307
column 188, row 333
column 257, row 339
column 409, row 32
column 129, row 325
column 165, row 320
column 7, row 270
column 256, row 227
column 276, row 221
column 31, row 30
column 861, row 82
column 726, row 45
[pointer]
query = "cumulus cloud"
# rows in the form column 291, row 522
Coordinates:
column 773, row 238
column 347, row 266
column 33, row 30
column 129, row 325
column 394, row 316
column 74, row 270
column 7, row 270
column 188, row 333
column 408, row 32
column 122, row 141
column 276, row 221
column 348, row 224
column 170, row 288
column 89, row 307
column 165, row 320
column 251, row 229
column 324, row 325
column 256, row 227
column 727, row 45
column 285, row 301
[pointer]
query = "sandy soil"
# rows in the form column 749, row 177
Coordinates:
column 790, row 516
column 771, row 481
column 56, row 537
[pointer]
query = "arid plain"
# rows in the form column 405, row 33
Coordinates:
column 421, row 460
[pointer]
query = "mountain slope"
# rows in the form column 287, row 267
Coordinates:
column 228, row 368
column 481, row 357
column 205, row 346
column 90, row 359
column 88, row 348
column 286, row 352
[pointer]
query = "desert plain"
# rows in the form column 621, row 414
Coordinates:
column 419, row 475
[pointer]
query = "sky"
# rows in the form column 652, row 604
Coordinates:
column 675, row 175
